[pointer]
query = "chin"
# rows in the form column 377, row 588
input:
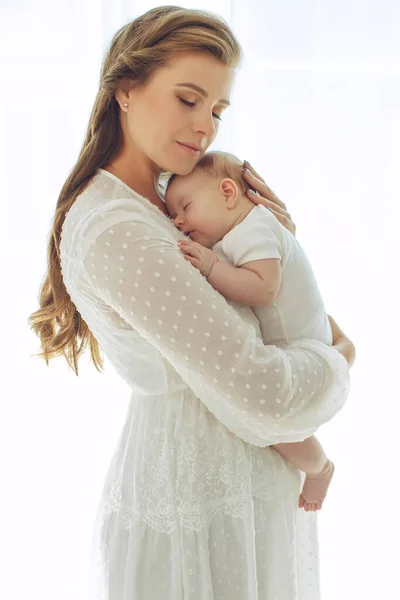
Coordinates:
column 202, row 239
column 181, row 164
column 182, row 168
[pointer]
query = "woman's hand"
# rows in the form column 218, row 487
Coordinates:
column 342, row 343
column 199, row 256
column 266, row 197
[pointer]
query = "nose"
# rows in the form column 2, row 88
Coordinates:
column 178, row 221
column 205, row 124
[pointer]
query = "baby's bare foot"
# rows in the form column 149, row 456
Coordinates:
column 315, row 488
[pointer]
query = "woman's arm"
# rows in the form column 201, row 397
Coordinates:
column 263, row 394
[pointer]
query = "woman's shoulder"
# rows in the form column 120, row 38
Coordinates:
column 103, row 193
column 108, row 198
column 105, row 203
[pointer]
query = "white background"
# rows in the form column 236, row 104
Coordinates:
column 316, row 110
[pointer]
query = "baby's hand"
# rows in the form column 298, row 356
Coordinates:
column 200, row 257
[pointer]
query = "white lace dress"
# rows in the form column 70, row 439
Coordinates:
column 195, row 505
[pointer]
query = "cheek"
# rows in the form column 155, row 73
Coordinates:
column 213, row 220
column 141, row 125
column 170, row 114
column 193, row 216
column 205, row 219
column 152, row 117
column 215, row 134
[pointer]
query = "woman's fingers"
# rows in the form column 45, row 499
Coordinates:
column 259, row 199
column 252, row 170
column 337, row 333
column 257, row 183
column 264, row 195
column 286, row 221
column 282, row 215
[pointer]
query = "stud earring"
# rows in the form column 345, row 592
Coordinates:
column 125, row 104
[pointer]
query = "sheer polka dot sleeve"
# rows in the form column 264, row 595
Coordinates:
column 263, row 394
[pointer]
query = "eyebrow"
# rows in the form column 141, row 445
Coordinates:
column 197, row 88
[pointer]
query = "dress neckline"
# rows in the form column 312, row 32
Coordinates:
column 152, row 207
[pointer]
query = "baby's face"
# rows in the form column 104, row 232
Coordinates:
column 196, row 206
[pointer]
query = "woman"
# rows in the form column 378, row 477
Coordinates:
column 195, row 503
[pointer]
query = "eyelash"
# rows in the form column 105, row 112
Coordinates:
column 193, row 104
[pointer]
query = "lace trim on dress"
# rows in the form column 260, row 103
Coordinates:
column 189, row 479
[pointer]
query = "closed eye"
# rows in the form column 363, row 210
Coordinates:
column 191, row 104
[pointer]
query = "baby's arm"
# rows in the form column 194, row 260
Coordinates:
column 308, row 456
column 254, row 283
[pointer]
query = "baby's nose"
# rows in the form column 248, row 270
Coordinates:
column 178, row 221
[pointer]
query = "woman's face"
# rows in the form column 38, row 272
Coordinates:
column 181, row 104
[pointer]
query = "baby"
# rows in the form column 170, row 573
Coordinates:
column 250, row 258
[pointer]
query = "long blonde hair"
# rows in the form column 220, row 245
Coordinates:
column 136, row 51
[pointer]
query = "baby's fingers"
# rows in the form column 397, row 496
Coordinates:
column 189, row 248
column 194, row 261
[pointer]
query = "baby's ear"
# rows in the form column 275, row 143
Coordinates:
column 230, row 191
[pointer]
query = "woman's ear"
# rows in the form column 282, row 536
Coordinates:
column 123, row 93
column 230, row 191
column 122, row 97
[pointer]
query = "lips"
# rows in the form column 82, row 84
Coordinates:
column 192, row 146
column 190, row 149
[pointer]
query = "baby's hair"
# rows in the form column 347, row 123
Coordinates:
column 219, row 165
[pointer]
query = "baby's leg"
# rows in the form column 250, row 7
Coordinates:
column 309, row 456
column 315, row 488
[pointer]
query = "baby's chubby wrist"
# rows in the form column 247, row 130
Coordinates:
column 213, row 259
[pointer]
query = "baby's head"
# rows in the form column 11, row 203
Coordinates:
column 211, row 200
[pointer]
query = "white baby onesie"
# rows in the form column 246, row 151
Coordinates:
column 298, row 311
